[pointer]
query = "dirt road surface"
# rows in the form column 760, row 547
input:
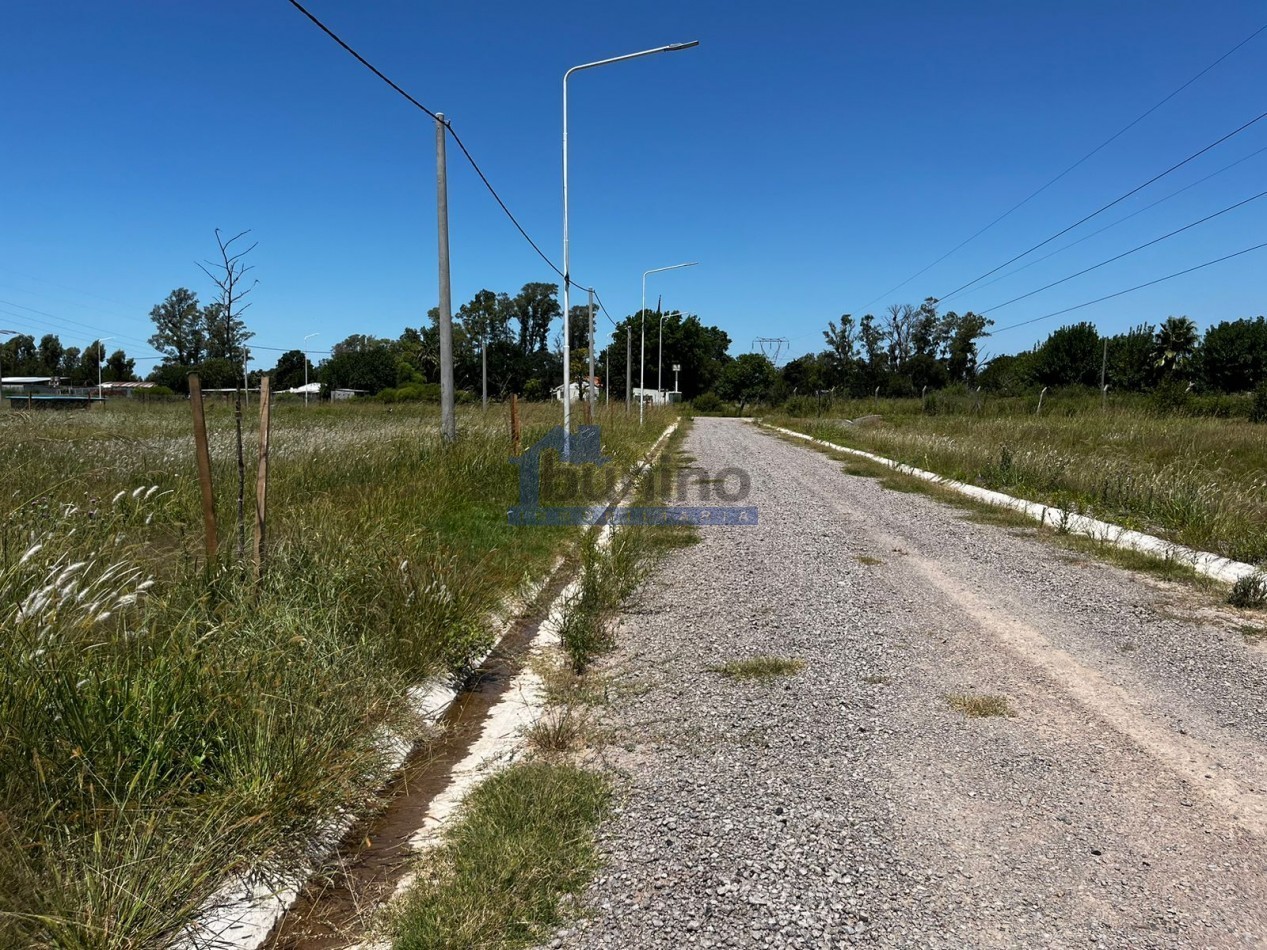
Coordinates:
column 1122, row 804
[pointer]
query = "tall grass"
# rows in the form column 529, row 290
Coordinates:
column 165, row 722
column 1196, row 480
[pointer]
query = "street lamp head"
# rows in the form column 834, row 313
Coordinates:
column 674, row 47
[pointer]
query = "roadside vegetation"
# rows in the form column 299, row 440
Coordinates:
column 760, row 668
column 523, row 844
column 1196, row 480
column 524, row 837
column 165, row 722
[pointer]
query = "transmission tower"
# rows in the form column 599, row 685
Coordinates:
column 771, row 347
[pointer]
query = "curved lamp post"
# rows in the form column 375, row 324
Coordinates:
column 306, row 339
column 101, row 358
column 642, row 367
column 567, row 270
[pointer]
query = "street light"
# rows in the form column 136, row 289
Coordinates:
column 642, row 361
column 567, row 270
column 101, row 358
column 306, row 339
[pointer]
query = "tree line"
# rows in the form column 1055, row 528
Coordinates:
column 501, row 341
column 910, row 349
column 21, row 355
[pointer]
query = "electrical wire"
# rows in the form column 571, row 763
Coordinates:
column 457, row 139
column 1124, row 218
column 1118, row 257
column 1057, row 313
column 1084, row 158
column 1115, row 201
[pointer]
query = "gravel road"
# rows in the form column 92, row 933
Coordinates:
column 1121, row 805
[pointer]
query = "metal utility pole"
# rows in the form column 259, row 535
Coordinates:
column 567, row 266
column 628, row 367
column 1104, row 366
column 448, row 423
column 642, row 370
column 589, row 388
column 306, row 339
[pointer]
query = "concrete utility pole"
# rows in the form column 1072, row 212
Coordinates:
column 589, row 389
column 448, row 423
column 1104, row 366
column 628, row 367
column 484, row 369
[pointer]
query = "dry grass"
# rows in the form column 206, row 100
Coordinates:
column 979, row 706
column 163, row 721
column 1197, row 481
column 759, row 668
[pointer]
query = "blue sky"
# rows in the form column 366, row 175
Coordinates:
column 810, row 155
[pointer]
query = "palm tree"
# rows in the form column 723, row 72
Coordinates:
column 1175, row 343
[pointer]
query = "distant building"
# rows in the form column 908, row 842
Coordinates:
column 579, row 389
column 654, row 397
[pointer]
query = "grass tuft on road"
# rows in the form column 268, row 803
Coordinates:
column 979, row 706
column 523, row 837
column 760, row 668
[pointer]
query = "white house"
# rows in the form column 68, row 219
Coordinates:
column 653, row 397
column 579, row 389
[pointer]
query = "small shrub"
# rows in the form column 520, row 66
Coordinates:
column 1250, row 591
column 801, row 407
column 708, row 403
column 1258, row 411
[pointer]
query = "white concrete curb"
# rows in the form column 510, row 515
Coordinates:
column 243, row 912
column 1203, row 562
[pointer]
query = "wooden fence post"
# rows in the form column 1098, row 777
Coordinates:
column 261, row 478
column 203, row 453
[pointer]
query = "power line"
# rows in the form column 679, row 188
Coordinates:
column 447, row 124
column 359, row 58
column 1118, row 257
column 457, row 139
column 1124, row 218
column 1084, row 158
column 1115, row 201
column 1057, row 313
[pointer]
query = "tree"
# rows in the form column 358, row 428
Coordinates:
column 1176, row 342
column 807, row 375
column 748, row 378
column 485, row 321
column 226, row 332
column 91, row 362
column 536, row 306
column 1070, row 356
column 961, row 348
column 1132, row 363
column 899, row 330
column 72, row 365
column 51, row 353
column 1233, row 355
column 872, row 338
column 289, row 371
column 118, row 368
column 180, row 331
column 21, row 356
column 360, row 362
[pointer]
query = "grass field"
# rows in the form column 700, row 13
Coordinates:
column 1196, row 480
column 165, row 721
